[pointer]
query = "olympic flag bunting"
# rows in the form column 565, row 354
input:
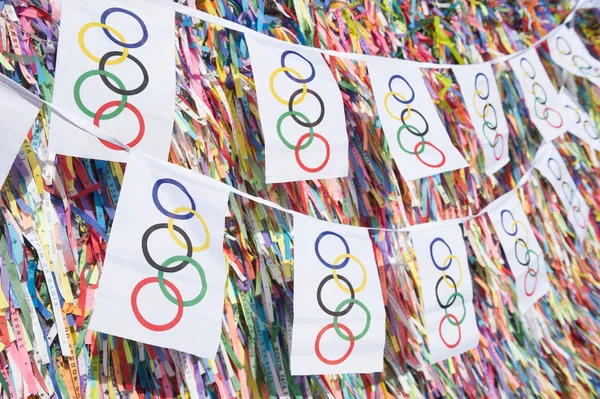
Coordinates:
column 482, row 98
column 115, row 68
column 163, row 280
column 16, row 117
column 301, row 113
column 339, row 318
column 417, row 138
column 569, row 52
column 446, row 291
column 584, row 128
column 521, row 248
column 551, row 165
column 544, row 105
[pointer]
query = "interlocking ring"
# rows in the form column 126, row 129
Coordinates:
column 566, row 54
column 296, row 98
column 521, row 244
column 417, row 127
column 483, row 93
column 108, row 78
column 174, row 263
column 590, row 129
column 345, row 306
column 552, row 117
column 436, row 253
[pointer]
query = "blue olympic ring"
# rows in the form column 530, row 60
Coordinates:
column 433, row 258
column 295, row 79
column 327, row 264
column 111, row 10
column 162, row 210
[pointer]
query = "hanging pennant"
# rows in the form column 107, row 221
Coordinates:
column 585, row 127
column 569, row 52
column 339, row 318
column 551, row 165
column 17, row 114
column 115, row 68
column 301, row 113
column 417, row 138
column 521, row 248
column 544, row 105
column 165, row 269
column 482, row 98
column 446, row 290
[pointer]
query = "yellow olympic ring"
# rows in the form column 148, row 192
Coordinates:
column 272, row 85
column 337, row 261
column 514, row 224
column 529, row 91
column 480, row 95
column 199, row 248
column 452, row 257
column 385, row 104
column 112, row 30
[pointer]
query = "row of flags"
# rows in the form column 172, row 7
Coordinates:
column 109, row 74
column 165, row 270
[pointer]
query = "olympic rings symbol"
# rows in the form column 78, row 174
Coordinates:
column 569, row 192
column 541, row 110
column 522, row 247
column 174, row 263
column 447, row 262
column 301, row 119
column 488, row 110
column 405, row 117
column 575, row 60
column 589, row 128
column 111, row 81
column 344, row 307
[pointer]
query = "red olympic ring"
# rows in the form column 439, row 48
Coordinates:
column 146, row 323
column 345, row 355
column 547, row 111
column 137, row 114
column 535, row 279
column 497, row 139
column 297, row 151
column 457, row 326
column 435, row 148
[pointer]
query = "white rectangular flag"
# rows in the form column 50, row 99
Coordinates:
column 415, row 133
column 569, row 52
column 339, row 317
column 165, row 269
column 522, row 250
column 585, row 127
column 115, row 69
column 552, row 166
column 482, row 98
column 541, row 98
column 446, row 289
column 17, row 115
column 301, row 112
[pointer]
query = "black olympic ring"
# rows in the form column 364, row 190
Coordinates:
column 535, row 93
column 587, row 67
column 525, row 70
column 485, row 121
column 437, row 296
column 151, row 261
column 523, row 245
column 293, row 114
column 487, row 83
column 410, row 127
column 349, row 306
column 289, row 75
column 115, row 89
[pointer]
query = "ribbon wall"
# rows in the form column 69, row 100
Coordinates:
column 258, row 245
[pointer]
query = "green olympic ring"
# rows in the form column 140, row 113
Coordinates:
column 462, row 299
column 306, row 120
column 84, row 109
column 400, row 141
column 367, row 324
column 167, row 294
